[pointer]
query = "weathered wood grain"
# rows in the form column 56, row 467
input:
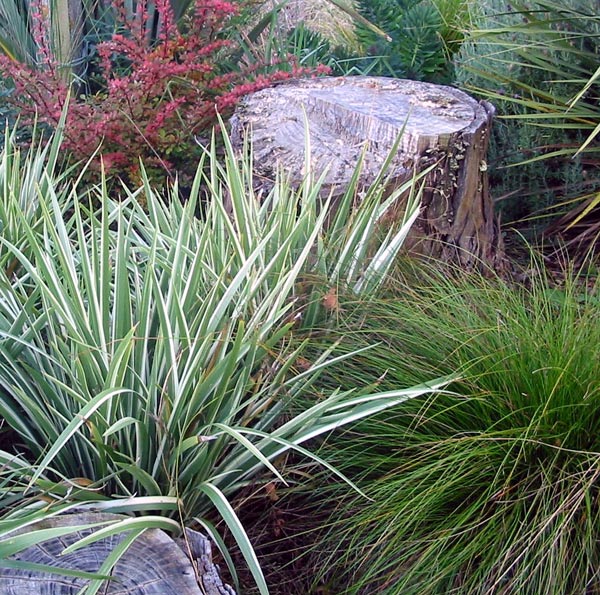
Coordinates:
column 153, row 565
column 351, row 116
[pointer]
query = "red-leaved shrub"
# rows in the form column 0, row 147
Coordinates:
column 158, row 92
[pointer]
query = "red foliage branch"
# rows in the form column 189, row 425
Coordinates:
column 157, row 93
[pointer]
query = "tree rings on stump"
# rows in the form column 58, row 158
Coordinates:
column 349, row 117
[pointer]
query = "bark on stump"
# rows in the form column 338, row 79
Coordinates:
column 346, row 116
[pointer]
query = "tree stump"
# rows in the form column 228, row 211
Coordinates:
column 443, row 127
column 154, row 564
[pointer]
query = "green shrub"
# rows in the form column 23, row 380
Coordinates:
column 491, row 489
column 146, row 354
column 415, row 40
column 537, row 61
column 423, row 37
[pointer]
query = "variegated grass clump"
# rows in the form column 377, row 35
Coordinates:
column 145, row 351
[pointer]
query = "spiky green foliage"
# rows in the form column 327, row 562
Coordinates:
column 146, row 352
column 493, row 489
column 423, row 36
column 24, row 175
column 319, row 32
column 71, row 22
column 21, row 30
column 538, row 60
column 310, row 49
column 16, row 38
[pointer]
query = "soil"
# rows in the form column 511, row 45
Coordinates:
column 284, row 533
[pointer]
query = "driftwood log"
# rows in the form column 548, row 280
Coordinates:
column 154, row 564
column 347, row 116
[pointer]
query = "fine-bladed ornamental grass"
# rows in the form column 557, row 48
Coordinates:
column 495, row 487
column 146, row 352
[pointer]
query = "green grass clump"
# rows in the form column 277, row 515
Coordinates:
column 495, row 487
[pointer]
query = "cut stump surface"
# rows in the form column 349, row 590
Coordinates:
column 349, row 116
column 154, row 564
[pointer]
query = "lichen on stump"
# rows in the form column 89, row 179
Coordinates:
column 351, row 116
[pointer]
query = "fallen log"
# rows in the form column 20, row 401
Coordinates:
column 440, row 126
